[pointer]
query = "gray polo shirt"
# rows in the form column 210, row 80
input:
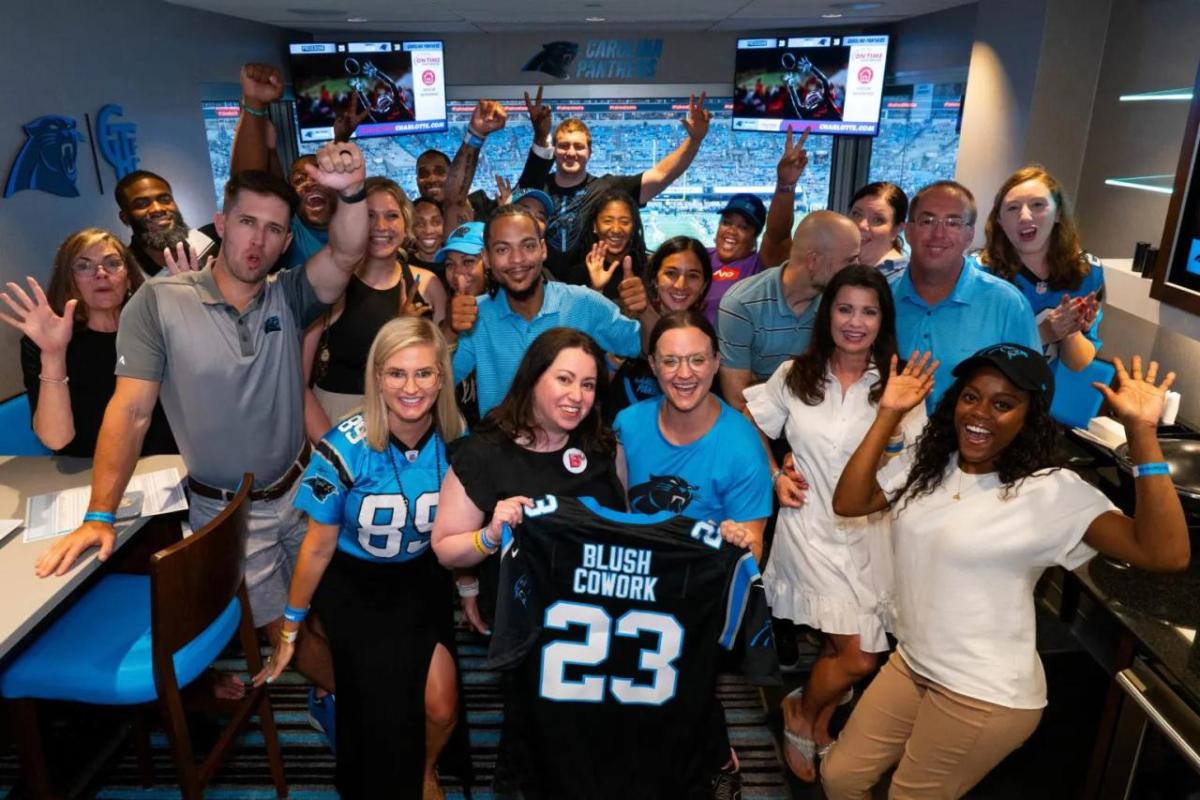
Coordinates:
column 231, row 384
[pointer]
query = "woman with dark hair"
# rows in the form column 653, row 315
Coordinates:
column 613, row 244
column 678, row 277
column 879, row 210
column 832, row 574
column 1032, row 242
column 69, row 342
column 978, row 513
column 383, row 287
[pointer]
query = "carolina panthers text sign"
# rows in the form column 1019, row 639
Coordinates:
column 602, row 59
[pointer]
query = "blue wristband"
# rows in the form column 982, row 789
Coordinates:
column 106, row 517
column 472, row 139
column 296, row 615
column 1151, row 468
column 488, row 543
column 895, row 448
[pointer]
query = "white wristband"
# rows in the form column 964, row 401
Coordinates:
column 468, row 589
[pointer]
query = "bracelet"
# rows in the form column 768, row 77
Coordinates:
column 472, row 139
column 288, row 636
column 894, row 448
column 487, row 542
column 479, row 548
column 785, row 187
column 292, row 614
column 468, row 589
column 107, row 517
column 63, row 380
column 357, row 197
column 1151, row 468
column 261, row 113
column 775, row 476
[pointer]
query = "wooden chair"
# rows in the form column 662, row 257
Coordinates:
column 188, row 609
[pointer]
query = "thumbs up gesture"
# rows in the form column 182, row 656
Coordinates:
column 463, row 308
column 631, row 290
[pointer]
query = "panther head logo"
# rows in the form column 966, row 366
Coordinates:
column 553, row 59
column 46, row 161
column 662, row 493
column 321, row 488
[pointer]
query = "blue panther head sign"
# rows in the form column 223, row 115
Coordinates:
column 46, row 161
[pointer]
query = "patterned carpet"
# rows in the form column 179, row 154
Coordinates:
column 308, row 764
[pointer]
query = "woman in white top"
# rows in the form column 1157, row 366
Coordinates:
column 976, row 517
column 830, row 573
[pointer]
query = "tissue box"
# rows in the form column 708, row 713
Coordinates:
column 1108, row 430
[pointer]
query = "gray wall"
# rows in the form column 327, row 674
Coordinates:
column 1151, row 45
column 68, row 57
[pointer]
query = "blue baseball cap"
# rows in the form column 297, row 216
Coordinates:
column 536, row 194
column 1026, row 368
column 750, row 207
column 466, row 238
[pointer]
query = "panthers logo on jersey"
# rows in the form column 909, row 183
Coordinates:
column 321, row 488
column 662, row 493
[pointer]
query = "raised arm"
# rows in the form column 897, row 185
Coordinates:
column 777, row 238
column 488, row 117
column 53, row 419
column 121, row 434
column 665, row 172
column 1156, row 538
column 340, row 167
column 262, row 84
column 858, row 492
column 541, row 151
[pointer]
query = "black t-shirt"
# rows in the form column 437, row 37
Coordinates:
column 345, row 343
column 633, row 382
column 613, row 624
column 91, row 360
column 572, row 208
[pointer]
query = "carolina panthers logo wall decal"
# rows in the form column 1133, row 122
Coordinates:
column 46, row 161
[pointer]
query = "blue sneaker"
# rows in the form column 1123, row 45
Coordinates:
column 321, row 715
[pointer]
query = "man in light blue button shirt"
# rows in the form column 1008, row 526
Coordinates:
column 944, row 303
column 494, row 332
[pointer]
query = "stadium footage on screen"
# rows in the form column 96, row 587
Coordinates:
column 377, row 78
column 824, row 84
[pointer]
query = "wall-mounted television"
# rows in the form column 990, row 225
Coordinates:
column 824, row 84
column 400, row 85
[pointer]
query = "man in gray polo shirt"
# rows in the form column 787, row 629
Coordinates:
column 767, row 318
column 222, row 345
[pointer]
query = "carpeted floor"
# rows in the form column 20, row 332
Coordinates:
column 308, row 764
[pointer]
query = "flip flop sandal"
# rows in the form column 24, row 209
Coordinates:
column 803, row 747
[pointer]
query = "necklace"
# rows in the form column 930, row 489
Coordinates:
column 437, row 454
column 958, row 492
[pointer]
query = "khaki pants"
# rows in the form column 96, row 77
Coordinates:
column 943, row 743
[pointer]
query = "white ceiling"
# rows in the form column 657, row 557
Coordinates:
column 519, row 16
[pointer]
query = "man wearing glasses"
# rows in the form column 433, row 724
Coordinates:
column 944, row 304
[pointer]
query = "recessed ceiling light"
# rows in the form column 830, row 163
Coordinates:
column 594, row 19
column 356, row 19
column 831, row 16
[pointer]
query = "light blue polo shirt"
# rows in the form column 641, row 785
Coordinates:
column 982, row 310
column 756, row 327
column 495, row 346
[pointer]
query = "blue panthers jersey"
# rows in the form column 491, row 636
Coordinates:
column 1044, row 299
column 384, row 502
column 722, row 475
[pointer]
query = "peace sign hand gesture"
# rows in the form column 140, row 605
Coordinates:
column 911, row 385
column 793, row 161
column 539, row 117
column 34, row 317
column 698, row 117
column 1137, row 401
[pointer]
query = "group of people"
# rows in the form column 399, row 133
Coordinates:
column 405, row 379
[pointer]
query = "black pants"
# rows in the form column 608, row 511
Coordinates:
column 383, row 621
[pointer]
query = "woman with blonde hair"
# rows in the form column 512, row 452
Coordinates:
column 385, row 285
column 366, row 565
column 69, row 342
column 1033, row 243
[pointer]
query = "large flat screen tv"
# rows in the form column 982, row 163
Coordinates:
column 401, row 86
column 824, row 84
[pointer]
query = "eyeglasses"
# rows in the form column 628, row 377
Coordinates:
column 952, row 224
column 397, row 378
column 88, row 269
column 697, row 361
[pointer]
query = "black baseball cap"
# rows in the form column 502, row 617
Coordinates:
column 1026, row 368
column 750, row 207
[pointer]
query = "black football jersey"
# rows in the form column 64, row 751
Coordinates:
column 611, row 623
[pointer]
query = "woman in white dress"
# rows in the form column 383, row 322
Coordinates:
column 831, row 573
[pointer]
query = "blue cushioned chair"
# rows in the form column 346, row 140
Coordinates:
column 16, row 429
column 134, row 639
column 1076, row 401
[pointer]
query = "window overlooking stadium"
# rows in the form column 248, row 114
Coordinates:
column 918, row 134
column 628, row 135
